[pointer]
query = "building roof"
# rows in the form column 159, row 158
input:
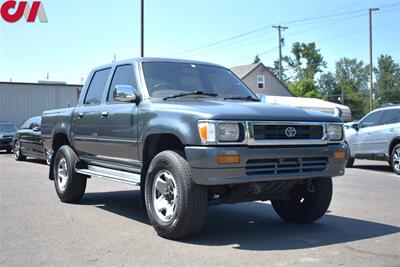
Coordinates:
column 40, row 83
column 244, row 70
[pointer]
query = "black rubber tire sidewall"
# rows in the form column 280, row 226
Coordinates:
column 192, row 204
column 315, row 208
column 76, row 183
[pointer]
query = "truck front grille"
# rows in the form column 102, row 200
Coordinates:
column 279, row 132
column 286, row 166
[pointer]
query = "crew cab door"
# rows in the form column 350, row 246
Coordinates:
column 118, row 129
column 366, row 141
column 86, row 117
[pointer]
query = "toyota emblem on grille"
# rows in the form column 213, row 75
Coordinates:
column 290, row 132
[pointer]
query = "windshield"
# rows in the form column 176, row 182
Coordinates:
column 164, row 79
column 7, row 128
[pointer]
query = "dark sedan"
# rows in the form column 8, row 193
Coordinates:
column 28, row 141
column 7, row 131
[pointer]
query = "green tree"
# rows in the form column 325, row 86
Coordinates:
column 351, row 78
column 256, row 59
column 387, row 75
column 327, row 86
column 304, row 64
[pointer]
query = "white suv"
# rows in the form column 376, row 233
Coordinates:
column 377, row 137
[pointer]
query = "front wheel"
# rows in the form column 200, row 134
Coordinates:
column 395, row 159
column 70, row 185
column 17, row 152
column 308, row 201
column 175, row 205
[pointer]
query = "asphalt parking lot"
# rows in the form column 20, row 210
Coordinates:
column 109, row 227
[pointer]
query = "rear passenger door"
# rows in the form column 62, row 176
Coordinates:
column 118, row 128
column 86, row 118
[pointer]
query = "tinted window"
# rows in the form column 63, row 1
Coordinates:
column 25, row 124
column 37, row 121
column 123, row 75
column 7, row 127
column 390, row 116
column 168, row 78
column 371, row 119
column 96, row 87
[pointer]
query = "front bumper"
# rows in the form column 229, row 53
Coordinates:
column 5, row 143
column 206, row 171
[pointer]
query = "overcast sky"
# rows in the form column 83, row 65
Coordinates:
column 82, row 34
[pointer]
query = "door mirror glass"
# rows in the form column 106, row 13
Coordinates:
column 125, row 93
column 355, row 126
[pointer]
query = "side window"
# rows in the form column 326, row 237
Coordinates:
column 36, row 122
column 123, row 75
column 390, row 116
column 96, row 87
column 25, row 124
column 371, row 120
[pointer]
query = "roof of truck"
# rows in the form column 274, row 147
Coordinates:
column 156, row 59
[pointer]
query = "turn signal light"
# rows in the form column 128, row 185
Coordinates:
column 228, row 159
column 339, row 155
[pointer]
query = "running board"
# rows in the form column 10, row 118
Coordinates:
column 110, row 174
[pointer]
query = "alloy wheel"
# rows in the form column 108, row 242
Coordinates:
column 62, row 174
column 164, row 193
column 396, row 159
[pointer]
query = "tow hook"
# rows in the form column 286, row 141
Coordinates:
column 310, row 186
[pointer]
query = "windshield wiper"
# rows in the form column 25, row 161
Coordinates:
column 246, row 98
column 190, row 93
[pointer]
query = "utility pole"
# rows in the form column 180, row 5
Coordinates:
column 370, row 58
column 279, row 27
column 142, row 28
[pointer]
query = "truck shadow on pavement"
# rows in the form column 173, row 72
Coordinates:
column 252, row 226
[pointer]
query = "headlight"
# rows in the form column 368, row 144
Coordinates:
column 212, row 132
column 335, row 132
column 228, row 132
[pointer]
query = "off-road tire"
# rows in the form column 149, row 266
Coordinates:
column 191, row 199
column 75, row 184
column 305, row 206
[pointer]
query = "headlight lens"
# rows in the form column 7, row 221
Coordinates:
column 228, row 132
column 335, row 132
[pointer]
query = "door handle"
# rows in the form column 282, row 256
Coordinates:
column 369, row 132
column 392, row 130
column 80, row 115
column 104, row 114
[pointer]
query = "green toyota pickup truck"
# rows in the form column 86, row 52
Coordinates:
column 191, row 134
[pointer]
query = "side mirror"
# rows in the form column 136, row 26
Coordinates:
column 36, row 128
column 125, row 93
column 355, row 126
column 262, row 96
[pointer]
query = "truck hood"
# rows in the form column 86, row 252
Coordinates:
column 241, row 110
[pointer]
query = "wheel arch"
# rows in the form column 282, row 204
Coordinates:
column 154, row 144
column 394, row 142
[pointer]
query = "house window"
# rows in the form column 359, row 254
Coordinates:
column 260, row 81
